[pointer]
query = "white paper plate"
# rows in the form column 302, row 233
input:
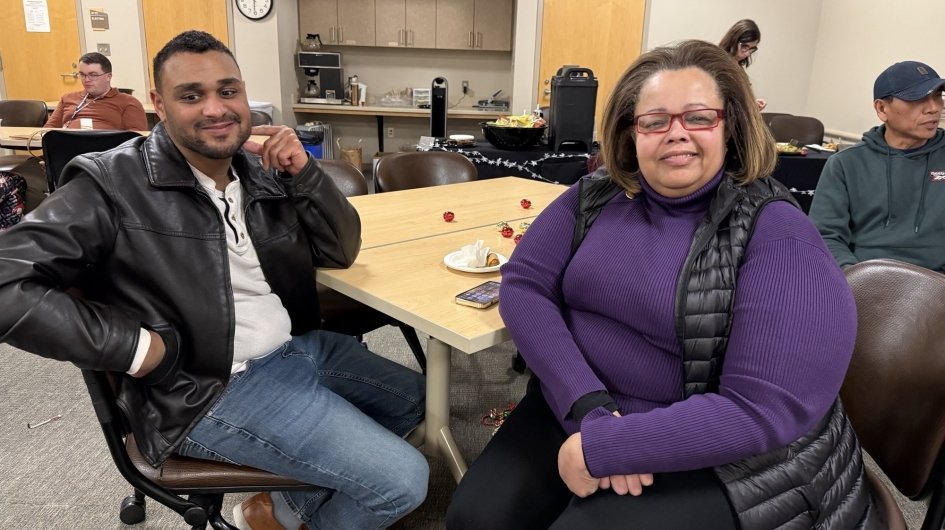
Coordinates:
column 452, row 261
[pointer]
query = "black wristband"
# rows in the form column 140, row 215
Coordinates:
column 591, row 401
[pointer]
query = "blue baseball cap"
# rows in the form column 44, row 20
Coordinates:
column 908, row 81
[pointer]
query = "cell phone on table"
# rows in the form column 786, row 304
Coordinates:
column 481, row 296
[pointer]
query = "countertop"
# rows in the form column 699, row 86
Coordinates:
column 460, row 113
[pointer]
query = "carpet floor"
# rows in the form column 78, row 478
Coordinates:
column 60, row 476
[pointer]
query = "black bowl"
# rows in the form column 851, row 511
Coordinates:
column 512, row 138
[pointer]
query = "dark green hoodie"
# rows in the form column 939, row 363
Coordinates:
column 874, row 201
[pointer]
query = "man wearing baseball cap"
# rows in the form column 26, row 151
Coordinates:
column 885, row 196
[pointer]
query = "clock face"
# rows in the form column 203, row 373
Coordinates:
column 254, row 9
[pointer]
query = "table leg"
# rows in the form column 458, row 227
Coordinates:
column 438, row 438
column 380, row 133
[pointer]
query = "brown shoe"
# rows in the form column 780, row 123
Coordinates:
column 255, row 513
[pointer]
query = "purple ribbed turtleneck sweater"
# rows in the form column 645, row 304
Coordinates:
column 605, row 321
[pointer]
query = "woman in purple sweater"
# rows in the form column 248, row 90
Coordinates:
column 610, row 434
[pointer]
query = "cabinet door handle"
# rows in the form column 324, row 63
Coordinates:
column 410, row 42
column 479, row 39
column 471, row 43
column 341, row 34
column 547, row 91
column 400, row 37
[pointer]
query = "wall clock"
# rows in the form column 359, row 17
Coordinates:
column 254, row 9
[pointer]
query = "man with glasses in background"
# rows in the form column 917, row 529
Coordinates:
column 885, row 196
column 99, row 106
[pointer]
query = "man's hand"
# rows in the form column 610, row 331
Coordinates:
column 573, row 469
column 282, row 150
column 154, row 356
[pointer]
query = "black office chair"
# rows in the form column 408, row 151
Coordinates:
column 768, row 116
column 204, row 482
column 258, row 117
column 340, row 313
column 62, row 145
column 802, row 129
column 21, row 113
column 894, row 390
column 404, row 171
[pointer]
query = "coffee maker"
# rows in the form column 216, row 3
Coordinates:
column 321, row 79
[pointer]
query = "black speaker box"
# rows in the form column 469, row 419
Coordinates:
column 438, row 101
column 573, row 103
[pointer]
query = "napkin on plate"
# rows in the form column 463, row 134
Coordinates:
column 473, row 255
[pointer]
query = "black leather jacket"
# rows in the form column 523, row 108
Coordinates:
column 144, row 242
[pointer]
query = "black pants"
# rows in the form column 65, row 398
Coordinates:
column 514, row 484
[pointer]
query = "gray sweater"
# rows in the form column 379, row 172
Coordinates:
column 874, row 201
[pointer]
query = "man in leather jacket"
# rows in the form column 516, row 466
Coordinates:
column 194, row 251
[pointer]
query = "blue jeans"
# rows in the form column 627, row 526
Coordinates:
column 326, row 411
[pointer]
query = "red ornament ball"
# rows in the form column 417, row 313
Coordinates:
column 448, row 216
column 507, row 231
column 526, row 203
column 518, row 237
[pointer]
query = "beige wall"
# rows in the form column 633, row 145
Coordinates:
column 817, row 58
column 394, row 69
column 265, row 50
column 781, row 69
column 857, row 40
column 526, row 54
column 125, row 34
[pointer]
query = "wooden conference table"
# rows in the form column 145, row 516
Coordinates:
column 400, row 271
column 31, row 137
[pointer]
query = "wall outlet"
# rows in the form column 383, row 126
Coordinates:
column 390, row 132
column 465, row 87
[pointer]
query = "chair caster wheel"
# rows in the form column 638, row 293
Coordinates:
column 132, row 510
column 518, row 363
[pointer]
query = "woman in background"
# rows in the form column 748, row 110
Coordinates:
column 741, row 42
column 687, row 328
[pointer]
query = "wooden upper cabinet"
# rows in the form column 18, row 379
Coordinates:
column 321, row 17
column 454, row 24
column 406, row 23
column 390, row 20
column 356, row 22
column 421, row 23
column 442, row 24
column 493, row 25
column 474, row 24
column 348, row 22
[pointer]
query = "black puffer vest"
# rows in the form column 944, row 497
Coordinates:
column 816, row 481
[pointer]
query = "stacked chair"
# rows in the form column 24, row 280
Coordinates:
column 803, row 130
column 346, row 315
column 404, row 171
column 20, row 113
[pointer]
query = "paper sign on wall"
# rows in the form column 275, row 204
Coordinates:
column 98, row 19
column 37, row 16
